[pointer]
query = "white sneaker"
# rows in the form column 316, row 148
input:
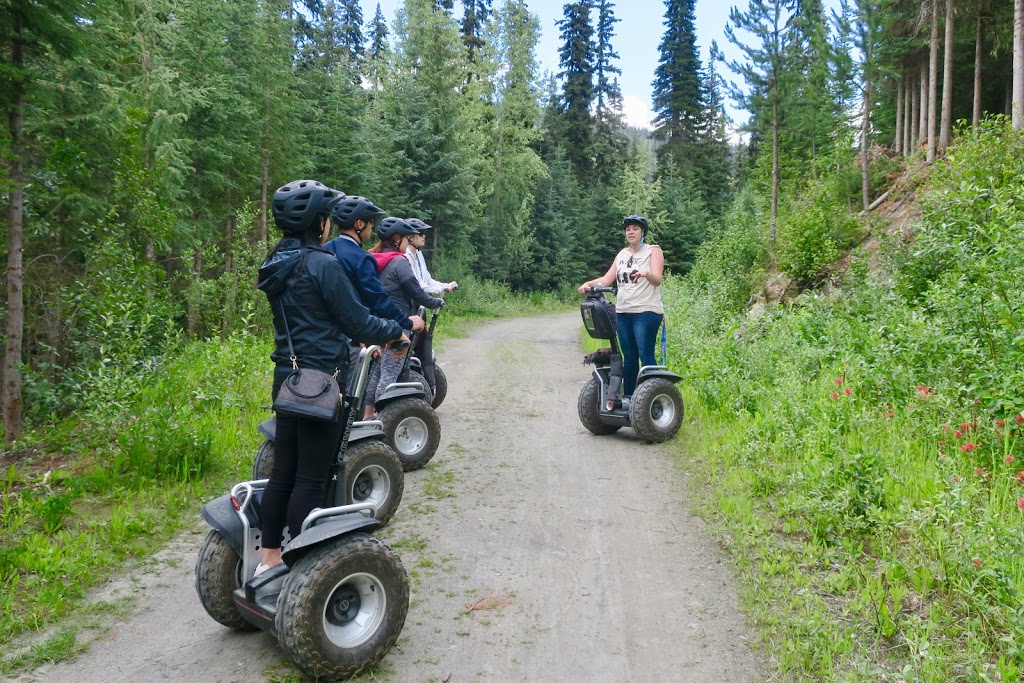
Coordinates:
column 260, row 568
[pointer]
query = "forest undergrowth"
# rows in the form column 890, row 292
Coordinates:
column 145, row 444
column 861, row 442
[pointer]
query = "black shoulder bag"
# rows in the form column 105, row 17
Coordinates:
column 312, row 394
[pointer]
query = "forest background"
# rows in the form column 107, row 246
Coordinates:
column 145, row 138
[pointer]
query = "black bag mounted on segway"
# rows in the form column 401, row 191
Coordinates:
column 599, row 317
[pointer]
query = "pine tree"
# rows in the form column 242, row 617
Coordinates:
column 475, row 15
column 678, row 91
column 351, row 18
column 714, row 164
column 27, row 31
column 577, row 61
column 768, row 21
column 609, row 141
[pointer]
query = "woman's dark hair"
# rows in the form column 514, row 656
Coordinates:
column 390, row 244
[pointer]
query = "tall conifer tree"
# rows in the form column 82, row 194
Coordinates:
column 678, row 91
column 609, row 140
column 577, row 61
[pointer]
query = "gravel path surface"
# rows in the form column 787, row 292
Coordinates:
column 537, row 552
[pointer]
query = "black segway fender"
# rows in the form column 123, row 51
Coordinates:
column 329, row 528
column 268, row 428
column 366, row 432
column 400, row 392
column 220, row 514
column 664, row 374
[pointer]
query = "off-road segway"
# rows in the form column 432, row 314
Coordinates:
column 410, row 424
column 424, row 361
column 372, row 470
column 655, row 411
column 339, row 601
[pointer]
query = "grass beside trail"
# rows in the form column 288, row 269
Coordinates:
column 111, row 483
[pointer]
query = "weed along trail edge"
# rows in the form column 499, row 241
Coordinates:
column 536, row 552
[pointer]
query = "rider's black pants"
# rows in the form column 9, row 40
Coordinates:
column 303, row 452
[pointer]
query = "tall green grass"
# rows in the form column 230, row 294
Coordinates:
column 863, row 443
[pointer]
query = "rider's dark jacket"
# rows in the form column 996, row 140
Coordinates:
column 401, row 284
column 362, row 271
column 322, row 308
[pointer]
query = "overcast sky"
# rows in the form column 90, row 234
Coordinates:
column 637, row 36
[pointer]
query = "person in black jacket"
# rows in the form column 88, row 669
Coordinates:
column 308, row 289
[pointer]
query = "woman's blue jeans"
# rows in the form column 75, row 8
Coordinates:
column 638, row 333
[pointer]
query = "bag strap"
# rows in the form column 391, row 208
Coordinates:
column 288, row 335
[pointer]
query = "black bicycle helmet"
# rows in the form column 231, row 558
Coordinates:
column 636, row 219
column 418, row 224
column 390, row 227
column 353, row 208
column 299, row 205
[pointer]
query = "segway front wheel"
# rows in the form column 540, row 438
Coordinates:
column 373, row 474
column 218, row 574
column 656, row 410
column 440, row 386
column 588, row 405
column 263, row 463
column 413, row 431
column 342, row 607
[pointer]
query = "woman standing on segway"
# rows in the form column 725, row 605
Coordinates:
column 405, row 291
column 637, row 271
column 313, row 302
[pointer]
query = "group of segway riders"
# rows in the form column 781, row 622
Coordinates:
column 335, row 596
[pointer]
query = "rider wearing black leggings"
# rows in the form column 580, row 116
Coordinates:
column 309, row 292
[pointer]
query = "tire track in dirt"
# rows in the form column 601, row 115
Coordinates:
column 536, row 551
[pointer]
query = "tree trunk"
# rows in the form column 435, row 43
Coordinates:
column 908, row 124
column 900, row 104
column 922, row 124
column 979, row 37
column 193, row 308
column 865, row 128
column 12, row 408
column 947, row 81
column 915, row 116
column 933, row 80
column 265, row 174
column 1017, row 103
column 775, row 170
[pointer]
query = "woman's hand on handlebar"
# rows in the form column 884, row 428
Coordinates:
column 417, row 323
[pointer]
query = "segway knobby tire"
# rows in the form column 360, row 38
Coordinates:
column 587, row 405
column 263, row 463
column 656, row 410
column 428, row 395
column 440, row 386
column 218, row 574
column 342, row 607
column 373, row 473
column 413, row 431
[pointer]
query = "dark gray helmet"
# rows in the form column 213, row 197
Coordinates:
column 636, row 219
column 299, row 205
column 418, row 224
column 395, row 226
column 353, row 208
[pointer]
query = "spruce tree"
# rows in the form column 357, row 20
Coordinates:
column 577, row 61
column 609, row 141
column 475, row 14
column 713, row 168
column 678, row 91
column 351, row 18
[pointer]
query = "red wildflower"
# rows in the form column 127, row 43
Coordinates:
column 1020, row 477
column 1019, row 419
column 945, row 428
column 835, row 395
column 1020, row 503
column 980, row 471
column 1000, row 423
column 955, row 479
column 958, row 433
column 1008, row 459
column 847, row 390
column 965, row 427
column 839, row 381
column 977, row 562
column 942, row 443
column 967, row 447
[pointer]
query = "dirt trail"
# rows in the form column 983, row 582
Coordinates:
column 537, row 552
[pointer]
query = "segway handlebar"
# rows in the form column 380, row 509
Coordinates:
column 600, row 290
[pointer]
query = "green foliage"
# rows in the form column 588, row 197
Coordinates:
column 812, row 233
column 864, row 447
